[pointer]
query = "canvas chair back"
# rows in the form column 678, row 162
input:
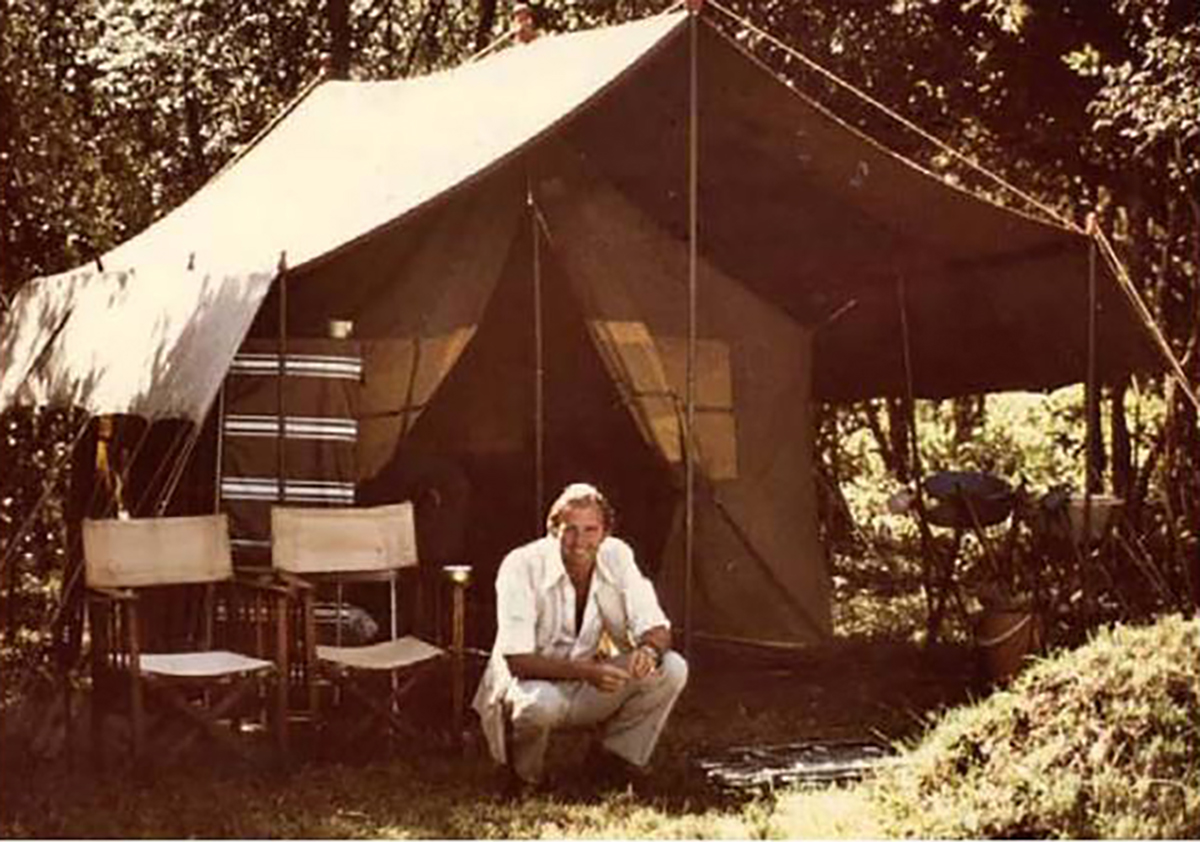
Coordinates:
column 156, row 551
column 337, row 540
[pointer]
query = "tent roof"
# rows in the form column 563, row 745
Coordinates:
column 803, row 209
column 350, row 158
column 827, row 223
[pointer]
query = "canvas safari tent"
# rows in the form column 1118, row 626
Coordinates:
column 557, row 260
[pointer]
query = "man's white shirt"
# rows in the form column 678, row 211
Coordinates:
column 535, row 614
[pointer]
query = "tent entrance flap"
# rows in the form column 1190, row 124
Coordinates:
column 753, row 411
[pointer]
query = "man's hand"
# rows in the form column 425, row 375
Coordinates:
column 643, row 661
column 607, row 678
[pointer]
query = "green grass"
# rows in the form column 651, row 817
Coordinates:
column 395, row 799
column 1097, row 742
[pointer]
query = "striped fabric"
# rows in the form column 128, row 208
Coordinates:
column 321, row 392
column 295, row 491
column 340, row 367
column 309, row 429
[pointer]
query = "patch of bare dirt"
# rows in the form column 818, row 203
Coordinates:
column 882, row 691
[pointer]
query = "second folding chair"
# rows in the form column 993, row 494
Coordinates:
column 322, row 552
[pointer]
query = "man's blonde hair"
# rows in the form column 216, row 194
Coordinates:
column 575, row 495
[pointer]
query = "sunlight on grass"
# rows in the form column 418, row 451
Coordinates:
column 837, row 813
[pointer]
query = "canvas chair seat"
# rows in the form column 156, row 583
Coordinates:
column 212, row 664
column 388, row 655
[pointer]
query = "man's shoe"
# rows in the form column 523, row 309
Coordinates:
column 610, row 771
column 515, row 788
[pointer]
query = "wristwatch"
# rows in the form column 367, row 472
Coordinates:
column 658, row 653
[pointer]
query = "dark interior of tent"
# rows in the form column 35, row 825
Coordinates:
column 469, row 461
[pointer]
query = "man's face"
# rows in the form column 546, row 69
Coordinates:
column 579, row 535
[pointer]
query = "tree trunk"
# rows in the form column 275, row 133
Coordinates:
column 892, row 442
column 487, row 19
column 1122, row 448
column 193, row 122
column 338, row 16
column 970, row 412
column 7, row 186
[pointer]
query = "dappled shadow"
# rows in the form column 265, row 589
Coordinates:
column 156, row 344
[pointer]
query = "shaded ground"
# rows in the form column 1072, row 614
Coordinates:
column 874, row 691
column 851, row 690
column 874, row 686
column 422, row 786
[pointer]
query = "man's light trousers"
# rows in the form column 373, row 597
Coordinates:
column 632, row 717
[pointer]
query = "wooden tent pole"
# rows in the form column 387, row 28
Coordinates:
column 689, row 426
column 910, row 391
column 539, row 381
column 219, row 467
column 1092, row 477
column 281, row 410
column 1091, row 398
column 931, row 572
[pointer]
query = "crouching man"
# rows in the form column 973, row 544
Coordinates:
column 557, row 599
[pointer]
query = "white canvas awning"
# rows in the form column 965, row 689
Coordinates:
column 150, row 329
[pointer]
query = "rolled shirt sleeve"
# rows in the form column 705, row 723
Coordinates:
column 644, row 611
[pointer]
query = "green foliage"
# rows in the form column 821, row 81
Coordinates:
column 33, row 446
column 114, row 112
column 1098, row 742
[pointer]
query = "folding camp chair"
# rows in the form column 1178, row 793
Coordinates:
column 334, row 547
column 179, row 640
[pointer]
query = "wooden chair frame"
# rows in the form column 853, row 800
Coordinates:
column 366, row 545
column 225, row 662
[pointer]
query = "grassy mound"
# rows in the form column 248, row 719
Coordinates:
column 1100, row 742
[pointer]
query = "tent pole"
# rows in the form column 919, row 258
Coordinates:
column 689, row 448
column 181, row 463
column 539, row 382
column 281, row 410
column 1092, row 477
column 910, row 390
column 218, row 468
column 1091, row 399
column 934, row 601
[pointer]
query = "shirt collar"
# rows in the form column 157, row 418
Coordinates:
column 555, row 570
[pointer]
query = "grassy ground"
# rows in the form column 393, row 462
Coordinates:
column 873, row 684
column 880, row 690
column 1096, row 742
